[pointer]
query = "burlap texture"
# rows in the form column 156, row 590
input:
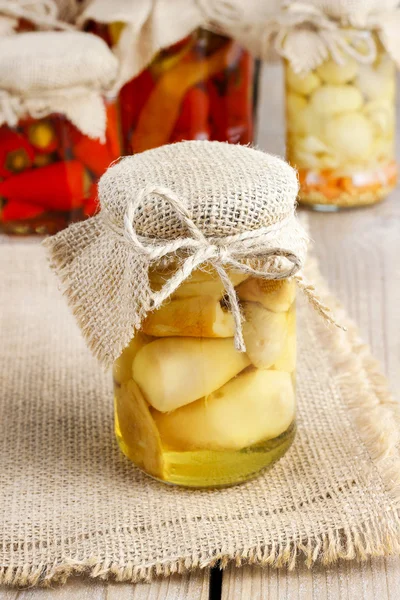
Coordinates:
column 71, row 502
column 193, row 203
column 56, row 72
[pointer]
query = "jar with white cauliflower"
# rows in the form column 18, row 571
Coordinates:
column 192, row 410
column 341, row 131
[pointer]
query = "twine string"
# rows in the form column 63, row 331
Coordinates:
column 222, row 253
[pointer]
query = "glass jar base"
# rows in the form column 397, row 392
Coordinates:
column 218, row 468
column 318, row 203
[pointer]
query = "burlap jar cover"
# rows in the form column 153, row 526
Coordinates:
column 48, row 72
column 190, row 204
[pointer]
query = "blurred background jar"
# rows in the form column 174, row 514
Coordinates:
column 341, row 130
column 192, row 410
column 59, row 129
column 202, row 86
column 199, row 89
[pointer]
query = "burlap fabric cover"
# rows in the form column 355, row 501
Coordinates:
column 56, row 72
column 192, row 203
column 71, row 502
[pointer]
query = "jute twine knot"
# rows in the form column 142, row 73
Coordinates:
column 220, row 252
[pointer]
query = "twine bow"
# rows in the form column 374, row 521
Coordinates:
column 219, row 252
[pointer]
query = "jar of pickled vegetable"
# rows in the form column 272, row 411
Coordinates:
column 192, row 410
column 198, row 89
column 59, row 130
column 341, row 132
column 191, row 294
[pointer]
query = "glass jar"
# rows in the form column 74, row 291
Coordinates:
column 198, row 89
column 341, row 131
column 192, row 410
column 49, row 172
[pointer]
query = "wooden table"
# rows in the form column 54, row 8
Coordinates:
column 344, row 243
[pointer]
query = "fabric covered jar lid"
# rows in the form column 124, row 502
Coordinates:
column 48, row 72
column 227, row 189
column 188, row 204
column 40, row 61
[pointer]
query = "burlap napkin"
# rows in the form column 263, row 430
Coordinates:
column 71, row 502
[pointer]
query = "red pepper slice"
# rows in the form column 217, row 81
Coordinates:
column 59, row 186
column 17, row 210
column 133, row 96
column 192, row 123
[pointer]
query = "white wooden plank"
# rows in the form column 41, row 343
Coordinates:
column 193, row 586
column 376, row 579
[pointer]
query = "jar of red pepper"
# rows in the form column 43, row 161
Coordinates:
column 178, row 79
column 198, row 89
column 58, row 129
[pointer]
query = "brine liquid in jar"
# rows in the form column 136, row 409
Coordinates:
column 341, row 131
column 189, row 408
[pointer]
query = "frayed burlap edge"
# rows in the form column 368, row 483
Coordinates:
column 376, row 417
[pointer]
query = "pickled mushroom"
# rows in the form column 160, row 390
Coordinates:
column 351, row 135
column 305, row 121
column 264, row 334
column 200, row 316
column 381, row 114
column 201, row 282
column 122, row 369
column 331, row 72
column 335, row 99
column 294, row 103
column 382, row 149
column 140, row 438
column 275, row 294
column 374, row 84
column 252, row 407
column 287, row 360
column 304, row 159
column 313, row 144
column 172, row 372
column 302, row 84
